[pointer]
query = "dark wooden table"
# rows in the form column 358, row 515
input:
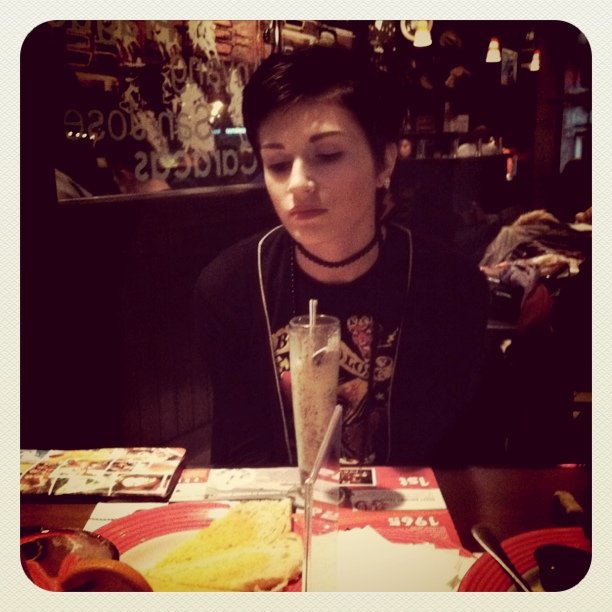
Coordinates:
column 510, row 500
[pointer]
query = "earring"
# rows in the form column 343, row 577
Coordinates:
column 387, row 183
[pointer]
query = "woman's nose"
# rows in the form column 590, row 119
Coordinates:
column 298, row 178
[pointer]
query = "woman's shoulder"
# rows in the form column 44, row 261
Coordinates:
column 238, row 261
column 243, row 252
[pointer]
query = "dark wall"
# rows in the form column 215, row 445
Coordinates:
column 459, row 200
column 107, row 352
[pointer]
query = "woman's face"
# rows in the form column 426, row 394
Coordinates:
column 320, row 173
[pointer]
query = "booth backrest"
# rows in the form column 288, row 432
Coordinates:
column 109, row 357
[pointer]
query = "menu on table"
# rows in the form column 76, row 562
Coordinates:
column 404, row 504
column 133, row 472
column 399, row 516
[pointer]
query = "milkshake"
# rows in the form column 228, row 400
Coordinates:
column 314, row 353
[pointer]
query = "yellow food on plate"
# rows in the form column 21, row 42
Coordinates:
column 264, row 567
column 251, row 548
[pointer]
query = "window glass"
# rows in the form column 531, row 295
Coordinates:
column 153, row 105
column 149, row 106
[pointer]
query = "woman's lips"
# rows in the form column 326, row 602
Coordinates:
column 303, row 214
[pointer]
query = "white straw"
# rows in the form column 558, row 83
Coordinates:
column 312, row 313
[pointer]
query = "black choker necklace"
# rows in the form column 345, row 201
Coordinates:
column 377, row 239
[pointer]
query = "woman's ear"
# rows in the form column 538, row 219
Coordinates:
column 384, row 174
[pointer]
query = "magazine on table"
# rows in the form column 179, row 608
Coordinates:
column 131, row 472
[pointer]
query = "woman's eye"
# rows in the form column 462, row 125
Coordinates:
column 278, row 167
column 329, row 157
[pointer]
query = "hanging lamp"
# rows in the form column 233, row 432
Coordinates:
column 493, row 52
column 417, row 31
column 534, row 66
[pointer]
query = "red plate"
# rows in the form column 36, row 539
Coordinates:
column 487, row 575
column 154, row 532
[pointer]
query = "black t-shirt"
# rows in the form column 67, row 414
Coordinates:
column 244, row 301
column 370, row 313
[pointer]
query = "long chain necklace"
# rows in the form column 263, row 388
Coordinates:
column 292, row 272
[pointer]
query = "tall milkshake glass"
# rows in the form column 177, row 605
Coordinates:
column 314, row 353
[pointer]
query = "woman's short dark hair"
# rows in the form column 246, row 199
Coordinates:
column 332, row 73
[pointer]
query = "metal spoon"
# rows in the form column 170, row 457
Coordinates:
column 486, row 538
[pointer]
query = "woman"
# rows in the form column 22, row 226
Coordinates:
column 324, row 127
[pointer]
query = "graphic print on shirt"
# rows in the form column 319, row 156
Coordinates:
column 364, row 414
